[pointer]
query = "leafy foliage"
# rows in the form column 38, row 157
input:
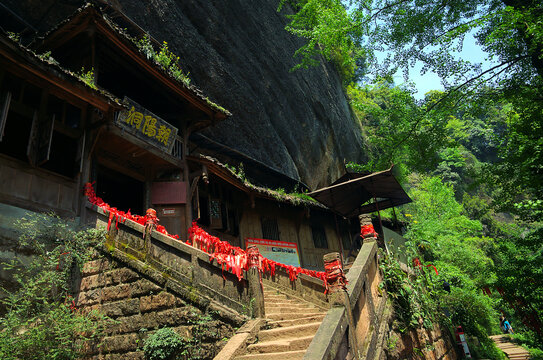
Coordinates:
column 411, row 295
column 511, row 32
column 41, row 321
column 164, row 57
column 88, row 78
column 479, row 141
column 165, row 344
column 331, row 32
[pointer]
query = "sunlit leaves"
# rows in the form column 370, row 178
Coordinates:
column 331, row 31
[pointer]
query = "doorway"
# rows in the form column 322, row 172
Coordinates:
column 119, row 190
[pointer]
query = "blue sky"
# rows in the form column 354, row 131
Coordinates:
column 430, row 81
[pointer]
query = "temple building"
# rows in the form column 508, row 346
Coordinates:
column 90, row 103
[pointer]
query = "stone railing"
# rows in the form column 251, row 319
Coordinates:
column 305, row 287
column 181, row 267
column 350, row 328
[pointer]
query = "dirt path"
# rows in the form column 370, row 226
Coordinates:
column 512, row 351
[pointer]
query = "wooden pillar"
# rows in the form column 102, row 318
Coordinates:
column 338, row 296
column 254, row 277
column 186, row 179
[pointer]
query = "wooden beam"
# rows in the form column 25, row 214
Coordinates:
column 147, row 147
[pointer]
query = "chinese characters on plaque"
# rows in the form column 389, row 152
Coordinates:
column 146, row 126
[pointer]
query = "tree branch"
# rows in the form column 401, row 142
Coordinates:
column 431, row 107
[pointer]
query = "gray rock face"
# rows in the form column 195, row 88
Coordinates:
column 239, row 54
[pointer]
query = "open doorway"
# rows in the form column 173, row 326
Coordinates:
column 119, row 190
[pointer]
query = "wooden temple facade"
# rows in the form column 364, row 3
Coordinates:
column 128, row 132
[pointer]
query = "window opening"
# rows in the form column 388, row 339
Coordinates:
column 16, row 133
column 62, row 158
column 319, row 236
column 270, row 229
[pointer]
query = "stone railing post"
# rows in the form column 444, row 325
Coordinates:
column 338, row 296
column 366, row 228
column 151, row 222
column 254, row 277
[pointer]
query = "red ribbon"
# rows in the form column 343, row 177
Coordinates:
column 334, row 275
column 433, row 267
column 231, row 258
column 367, row 230
column 236, row 258
column 120, row 216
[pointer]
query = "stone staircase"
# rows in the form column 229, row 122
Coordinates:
column 290, row 326
column 503, row 342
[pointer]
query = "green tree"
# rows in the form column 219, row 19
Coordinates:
column 510, row 31
column 519, row 266
column 331, row 32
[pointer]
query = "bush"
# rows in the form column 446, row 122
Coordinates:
column 165, row 344
column 41, row 321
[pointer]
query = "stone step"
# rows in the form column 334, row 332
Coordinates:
column 290, row 309
column 288, row 332
column 300, row 321
column 287, row 355
column 297, row 305
column 279, row 297
column 293, row 344
column 290, row 315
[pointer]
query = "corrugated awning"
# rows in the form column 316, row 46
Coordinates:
column 352, row 197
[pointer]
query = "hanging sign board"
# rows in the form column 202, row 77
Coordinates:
column 146, row 126
column 281, row 251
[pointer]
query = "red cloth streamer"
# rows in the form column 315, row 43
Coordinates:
column 120, row 216
column 236, row 258
column 417, row 263
column 433, row 267
column 334, row 275
column 231, row 258
column 367, row 230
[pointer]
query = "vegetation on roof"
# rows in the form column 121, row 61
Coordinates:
column 295, row 198
column 163, row 58
column 168, row 61
column 86, row 77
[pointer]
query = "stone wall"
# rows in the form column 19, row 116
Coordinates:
column 434, row 344
column 181, row 267
column 138, row 307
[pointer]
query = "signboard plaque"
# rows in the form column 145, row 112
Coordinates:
column 281, row 251
column 146, row 126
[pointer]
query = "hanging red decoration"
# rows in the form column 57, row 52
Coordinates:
column 334, row 275
column 435, row 269
column 367, row 231
column 231, row 258
column 417, row 263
